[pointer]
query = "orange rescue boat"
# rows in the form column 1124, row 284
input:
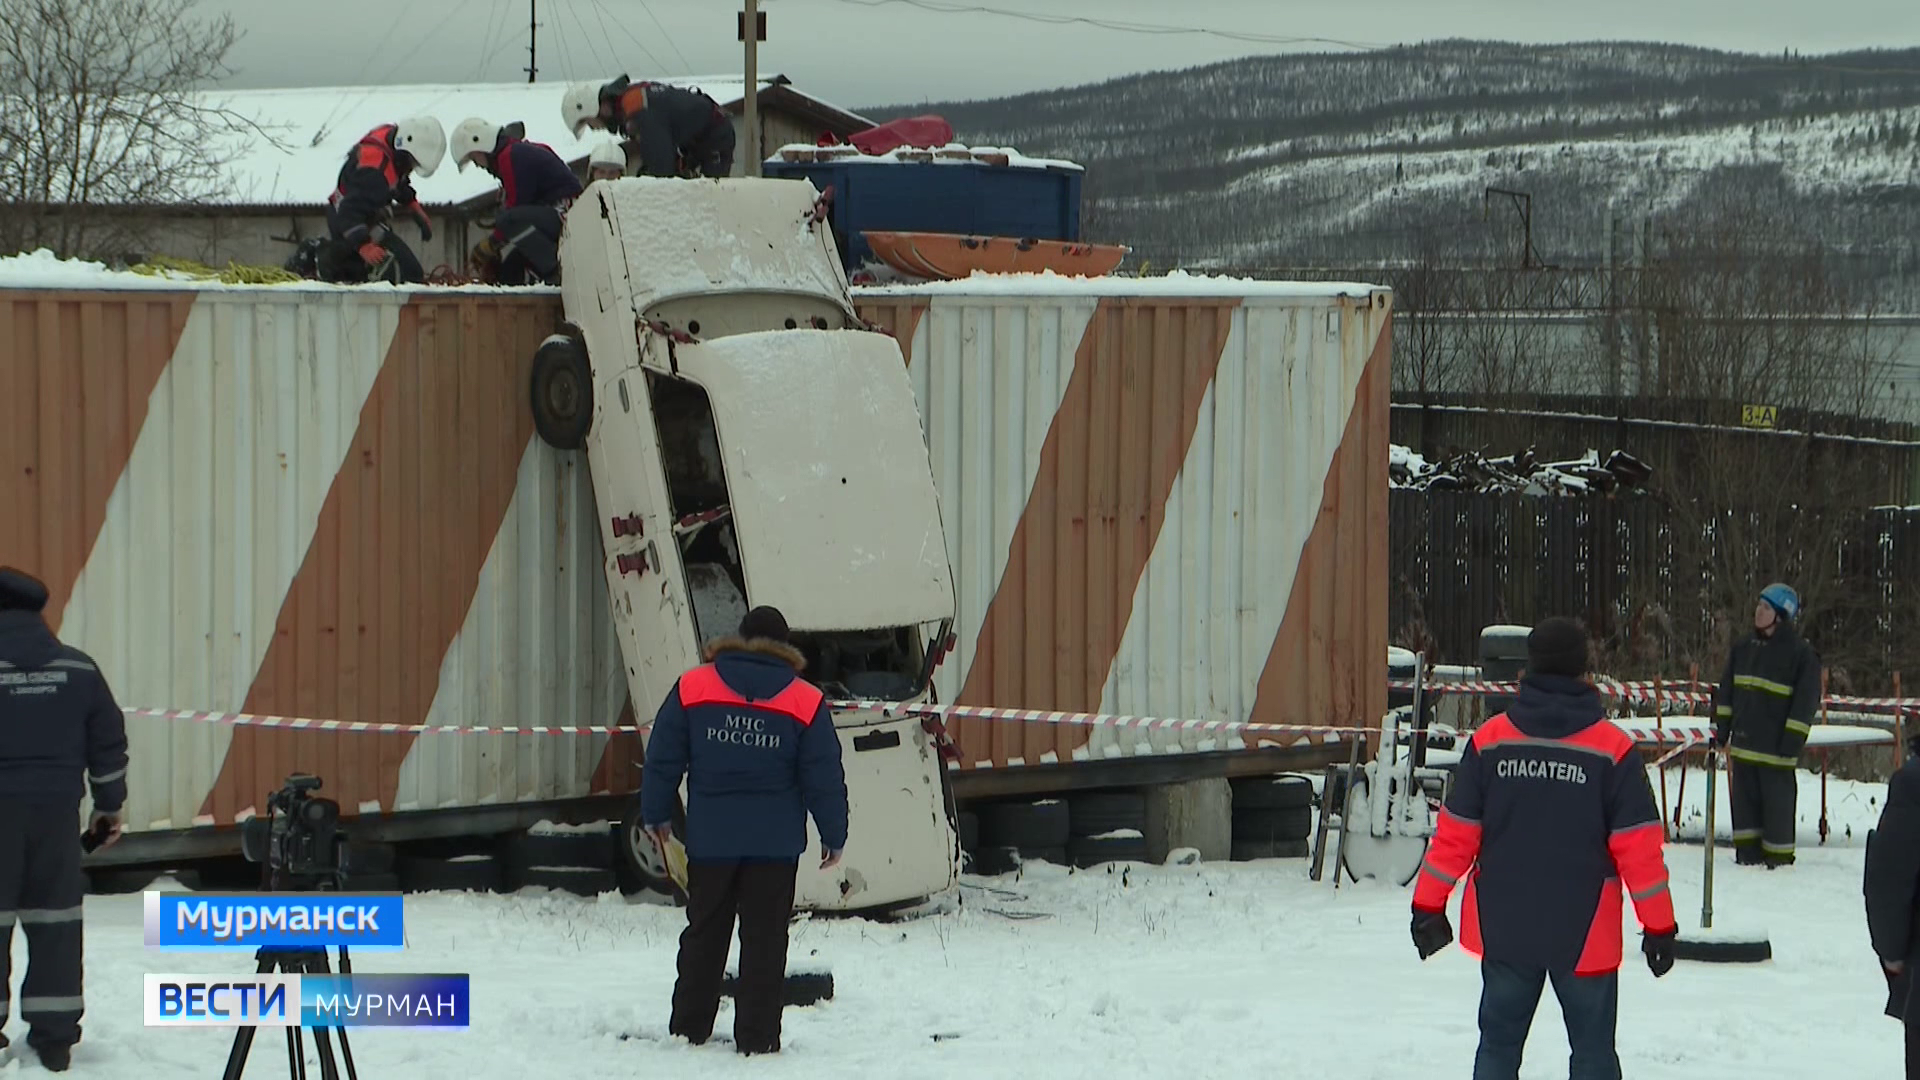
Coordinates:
column 953, row 255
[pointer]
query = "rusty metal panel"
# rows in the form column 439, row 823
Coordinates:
column 1155, row 505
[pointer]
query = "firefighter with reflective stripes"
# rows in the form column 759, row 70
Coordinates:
column 1763, row 714
column 1550, row 814
column 58, row 722
column 376, row 177
column 677, row 131
column 536, row 190
column 758, row 748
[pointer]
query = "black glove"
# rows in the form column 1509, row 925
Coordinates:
column 403, row 193
column 1431, row 932
column 1659, row 950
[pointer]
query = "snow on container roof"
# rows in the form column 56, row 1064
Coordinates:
column 315, row 127
column 1178, row 283
column 43, row 269
column 950, row 154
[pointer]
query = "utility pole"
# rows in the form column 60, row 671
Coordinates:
column 533, row 39
column 753, row 30
column 1522, row 202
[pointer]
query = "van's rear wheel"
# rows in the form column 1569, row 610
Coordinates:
column 642, row 867
column 562, row 392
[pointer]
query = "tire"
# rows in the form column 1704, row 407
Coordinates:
column 1268, row 825
column 584, row 851
column 469, row 874
column 560, row 392
column 640, row 867
column 1055, row 855
column 362, row 858
column 1272, row 793
column 357, row 883
column 1248, row 850
column 1722, row 952
column 1084, row 851
column 576, row 880
column 800, row 990
column 1105, row 812
column 992, row 861
column 119, row 881
column 969, row 828
column 1026, row 825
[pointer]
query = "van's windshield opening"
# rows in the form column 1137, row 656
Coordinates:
column 871, row 665
column 702, row 515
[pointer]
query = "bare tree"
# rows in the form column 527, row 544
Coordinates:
column 101, row 110
column 1747, row 315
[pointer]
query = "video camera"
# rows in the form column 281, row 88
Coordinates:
column 299, row 840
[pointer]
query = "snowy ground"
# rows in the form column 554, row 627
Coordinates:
column 1216, row 970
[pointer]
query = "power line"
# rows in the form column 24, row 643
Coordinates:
column 1123, row 26
column 641, row 45
column 664, row 36
column 580, row 24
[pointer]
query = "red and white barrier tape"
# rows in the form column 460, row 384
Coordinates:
column 1641, row 733
column 1650, row 692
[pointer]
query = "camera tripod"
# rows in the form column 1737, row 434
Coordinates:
column 297, row 962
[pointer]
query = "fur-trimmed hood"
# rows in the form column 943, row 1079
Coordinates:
column 779, row 650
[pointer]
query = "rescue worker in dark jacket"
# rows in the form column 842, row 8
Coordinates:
column 1550, row 813
column 536, row 188
column 58, row 723
column 376, row 177
column 679, row 132
column 757, row 745
column 1893, row 898
column 1763, row 714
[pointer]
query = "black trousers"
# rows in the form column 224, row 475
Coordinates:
column 761, row 894
column 1913, row 1051
column 529, row 242
column 340, row 262
column 41, row 888
column 712, row 153
column 1763, row 799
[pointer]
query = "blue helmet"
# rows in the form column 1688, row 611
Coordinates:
column 1784, row 600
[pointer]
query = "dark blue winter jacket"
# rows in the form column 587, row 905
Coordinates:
column 757, row 746
column 58, row 719
column 531, row 174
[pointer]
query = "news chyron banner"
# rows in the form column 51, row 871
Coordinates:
column 302, row 922
column 362, row 999
column 245, row 922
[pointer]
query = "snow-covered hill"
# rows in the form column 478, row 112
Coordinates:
column 1351, row 159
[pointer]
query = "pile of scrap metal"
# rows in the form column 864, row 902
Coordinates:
column 1520, row 473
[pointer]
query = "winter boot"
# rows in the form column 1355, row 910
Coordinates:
column 1747, row 855
column 1775, row 862
column 55, row 1058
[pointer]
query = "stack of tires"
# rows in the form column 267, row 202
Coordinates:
column 1272, row 817
column 576, row 861
column 1106, row 826
column 459, row 864
column 1015, row 832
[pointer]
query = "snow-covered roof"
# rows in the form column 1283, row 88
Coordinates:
column 950, row 154
column 315, row 127
column 1177, row 283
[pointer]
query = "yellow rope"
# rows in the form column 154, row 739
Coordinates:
column 234, row 274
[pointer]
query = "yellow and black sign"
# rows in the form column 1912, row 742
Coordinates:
column 1760, row 416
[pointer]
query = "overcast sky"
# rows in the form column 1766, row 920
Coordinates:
column 856, row 55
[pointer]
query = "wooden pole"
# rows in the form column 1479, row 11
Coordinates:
column 750, row 30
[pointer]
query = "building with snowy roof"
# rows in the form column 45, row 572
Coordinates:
column 276, row 182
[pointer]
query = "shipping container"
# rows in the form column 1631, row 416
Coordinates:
column 1164, row 497
column 1160, row 497
column 1028, row 199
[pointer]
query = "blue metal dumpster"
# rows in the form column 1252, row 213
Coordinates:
column 975, row 198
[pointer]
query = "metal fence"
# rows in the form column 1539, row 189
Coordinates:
column 1461, row 561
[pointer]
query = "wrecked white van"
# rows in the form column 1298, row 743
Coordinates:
column 751, row 442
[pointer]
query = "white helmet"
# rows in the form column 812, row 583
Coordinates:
column 474, row 136
column 424, row 140
column 608, row 154
column 581, row 106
